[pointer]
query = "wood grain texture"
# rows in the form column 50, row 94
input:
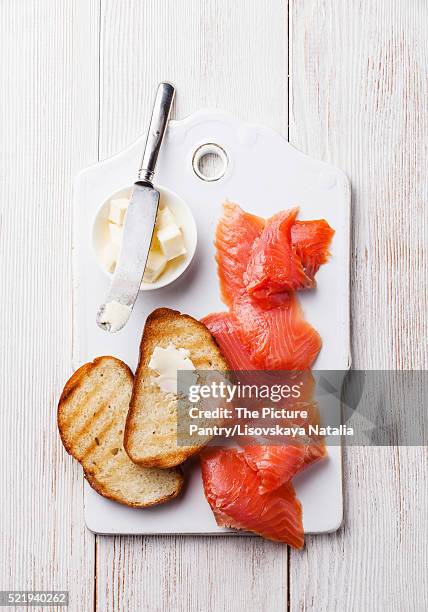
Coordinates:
column 233, row 56
column 219, row 54
column 358, row 99
column 190, row 574
column 49, row 104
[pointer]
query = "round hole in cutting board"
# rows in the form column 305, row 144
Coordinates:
column 210, row 162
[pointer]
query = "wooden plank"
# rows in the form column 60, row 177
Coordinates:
column 190, row 573
column 358, row 99
column 49, row 122
column 230, row 55
column 219, row 54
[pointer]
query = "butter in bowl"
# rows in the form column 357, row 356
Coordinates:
column 173, row 244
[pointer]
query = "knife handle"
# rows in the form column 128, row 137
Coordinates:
column 158, row 123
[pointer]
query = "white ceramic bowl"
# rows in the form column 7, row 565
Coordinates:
column 184, row 218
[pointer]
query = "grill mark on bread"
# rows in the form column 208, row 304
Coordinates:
column 90, row 422
column 91, row 395
column 93, row 417
column 99, row 439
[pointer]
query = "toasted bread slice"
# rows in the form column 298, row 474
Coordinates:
column 151, row 427
column 91, row 420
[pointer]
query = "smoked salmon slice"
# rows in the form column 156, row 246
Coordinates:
column 253, row 339
column 278, row 338
column 226, row 332
column 268, row 258
column 274, row 267
column 311, row 241
column 277, row 465
column 231, row 487
column 235, row 236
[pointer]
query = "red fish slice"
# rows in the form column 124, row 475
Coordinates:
column 235, row 235
column 277, row 465
column 274, row 267
column 279, row 338
column 311, row 241
column 232, row 490
column 225, row 330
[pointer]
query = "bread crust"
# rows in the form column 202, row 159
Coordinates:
column 161, row 316
column 71, row 386
column 99, row 488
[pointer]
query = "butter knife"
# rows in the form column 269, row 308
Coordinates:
column 139, row 223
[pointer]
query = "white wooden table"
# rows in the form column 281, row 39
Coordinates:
column 347, row 81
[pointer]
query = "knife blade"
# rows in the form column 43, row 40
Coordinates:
column 139, row 225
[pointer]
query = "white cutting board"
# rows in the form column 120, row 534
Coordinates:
column 264, row 175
